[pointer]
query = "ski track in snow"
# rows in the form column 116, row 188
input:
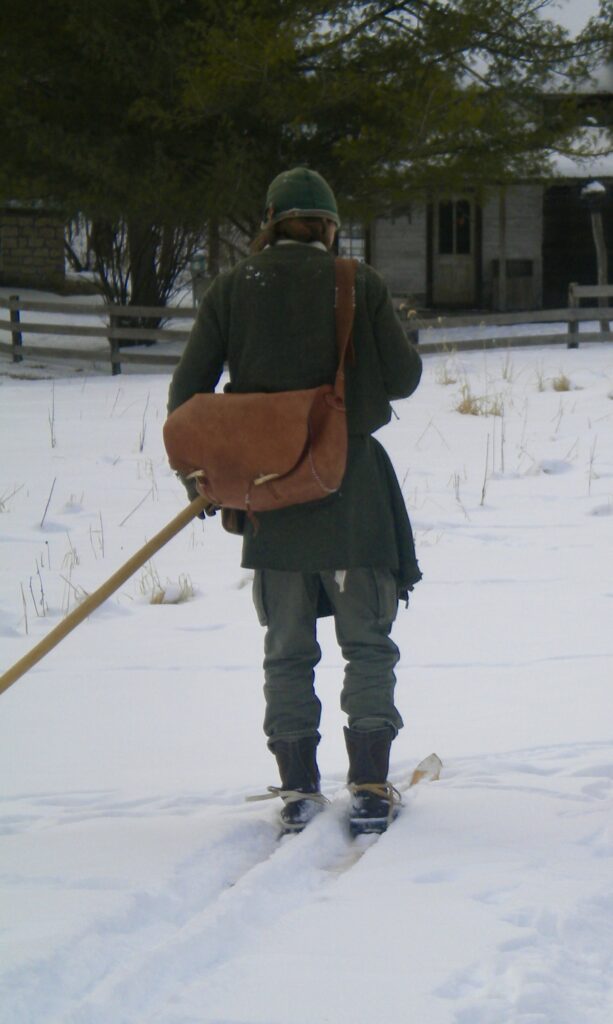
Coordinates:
column 171, row 951
column 213, row 906
column 125, row 943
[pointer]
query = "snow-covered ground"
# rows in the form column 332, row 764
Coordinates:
column 138, row 886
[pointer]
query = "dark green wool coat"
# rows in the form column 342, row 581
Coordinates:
column 271, row 319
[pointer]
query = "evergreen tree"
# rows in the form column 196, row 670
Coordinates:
column 156, row 118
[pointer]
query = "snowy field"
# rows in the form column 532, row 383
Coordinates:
column 138, row 886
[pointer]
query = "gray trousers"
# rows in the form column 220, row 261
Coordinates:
column 365, row 603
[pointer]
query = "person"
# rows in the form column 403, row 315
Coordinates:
column 351, row 554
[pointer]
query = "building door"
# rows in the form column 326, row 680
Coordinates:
column 453, row 252
column 569, row 253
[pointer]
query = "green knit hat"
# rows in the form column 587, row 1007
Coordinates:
column 300, row 193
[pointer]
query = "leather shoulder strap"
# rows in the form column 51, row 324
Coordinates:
column 344, row 310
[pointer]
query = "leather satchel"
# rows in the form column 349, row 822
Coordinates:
column 263, row 451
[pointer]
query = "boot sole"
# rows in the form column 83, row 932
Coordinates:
column 368, row 826
column 292, row 830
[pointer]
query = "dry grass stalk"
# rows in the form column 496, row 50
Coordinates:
column 561, row 383
column 471, row 405
column 487, row 459
column 592, row 475
column 152, row 587
column 444, row 375
column 25, row 609
column 150, row 493
column 508, row 372
column 540, row 379
column 143, row 429
column 71, row 558
column 5, row 498
column 51, row 418
column 48, row 501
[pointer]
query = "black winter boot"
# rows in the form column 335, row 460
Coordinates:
column 374, row 801
column 297, row 762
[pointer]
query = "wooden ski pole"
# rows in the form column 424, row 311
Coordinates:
column 93, row 601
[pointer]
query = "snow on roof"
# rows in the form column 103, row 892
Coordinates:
column 598, row 165
column 593, row 188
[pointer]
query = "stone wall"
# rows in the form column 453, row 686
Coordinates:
column 31, row 248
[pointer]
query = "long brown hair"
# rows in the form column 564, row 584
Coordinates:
column 298, row 229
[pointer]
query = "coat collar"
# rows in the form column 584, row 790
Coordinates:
column 292, row 241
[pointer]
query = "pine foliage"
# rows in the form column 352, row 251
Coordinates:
column 173, row 113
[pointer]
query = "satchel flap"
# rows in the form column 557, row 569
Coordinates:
column 249, row 435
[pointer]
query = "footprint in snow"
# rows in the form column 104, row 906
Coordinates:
column 553, row 467
column 602, row 510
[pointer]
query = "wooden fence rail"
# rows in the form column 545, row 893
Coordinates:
column 576, row 292
column 112, row 327
column 568, row 318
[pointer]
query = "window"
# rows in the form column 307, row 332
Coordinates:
column 352, row 241
column 454, row 227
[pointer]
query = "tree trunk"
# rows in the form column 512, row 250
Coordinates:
column 144, row 290
column 143, row 241
column 502, row 251
column 213, row 246
column 601, row 259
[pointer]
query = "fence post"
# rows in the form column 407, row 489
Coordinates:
column 601, row 259
column 115, row 364
column 114, row 345
column 573, row 325
column 17, row 335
